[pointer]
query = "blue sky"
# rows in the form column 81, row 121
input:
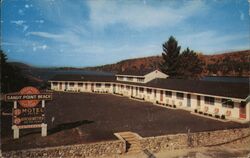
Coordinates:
column 88, row 33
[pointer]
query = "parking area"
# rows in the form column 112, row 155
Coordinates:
column 74, row 118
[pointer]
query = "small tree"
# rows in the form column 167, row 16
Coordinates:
column 171, row 52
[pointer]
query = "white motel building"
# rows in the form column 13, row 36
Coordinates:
column 222, row 100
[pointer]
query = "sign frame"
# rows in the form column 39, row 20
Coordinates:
column 28, row 96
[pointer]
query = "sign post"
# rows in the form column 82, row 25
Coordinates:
column 29, row 114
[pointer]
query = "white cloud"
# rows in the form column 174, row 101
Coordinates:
column 20, row 23
column 26, row 6
column 104, row 13
column 9, row 44
column 70, row 38
column 29, row 45
column 25, row 27
column 66, row 14
column 44, row 47
column 242, row 16
column 36, row 47
column 39, row 21
column 21, row 12
column 45, row 35
column 212, row 41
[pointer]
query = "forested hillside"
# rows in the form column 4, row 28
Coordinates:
column 226, row 64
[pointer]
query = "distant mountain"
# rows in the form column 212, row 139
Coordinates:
column 226, row 64
column 21, row 65
column 27, row 71
column 38, row 74
column 151, row 62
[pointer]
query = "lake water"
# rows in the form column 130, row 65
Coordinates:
column 46, row 74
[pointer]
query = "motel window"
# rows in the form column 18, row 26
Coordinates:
column 80, row 84
column 149, row 91
column 168, row 93
column 180, row 95
column 130, row 78
column 71, row 84
column 98, row 84
column 55, row 83
column 140, row 79
column 122, row 86
column 107, row 85
column 228, row 103
column 209, row 100
column 141, row 89
column 120, row 78
column 127, row 87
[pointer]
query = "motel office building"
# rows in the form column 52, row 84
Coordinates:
column 215, row 99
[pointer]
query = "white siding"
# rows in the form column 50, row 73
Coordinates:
column 153, row 75
column 173, row 100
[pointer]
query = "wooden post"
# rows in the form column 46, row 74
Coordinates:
column 15, row 104
column 14, row 127
column 44, row 126
column 16, row 132
column 43, row 103
column 44, row 130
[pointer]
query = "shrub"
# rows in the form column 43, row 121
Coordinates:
column 223, row 117
column 195, row 110
column 210, row 115
column 200, row 112
column 205, row 113
column 174, row 106
column 217, row 116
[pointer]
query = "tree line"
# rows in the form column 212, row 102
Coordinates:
column 232, row 66
column 12, row 79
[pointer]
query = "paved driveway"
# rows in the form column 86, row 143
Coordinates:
column 86, row 117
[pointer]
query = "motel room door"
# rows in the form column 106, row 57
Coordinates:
column 243, row 110
column 155, row 94
column 161, row 97
column 188, row 100
column 198, row 101
column 60, row 86
column 136, row 91
column 114, row 86
column 66, row 86
column 132, row 89
column 92, row 87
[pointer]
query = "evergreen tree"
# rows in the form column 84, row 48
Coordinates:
column 190, row 65
column 171, row 52
column 11, row 76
